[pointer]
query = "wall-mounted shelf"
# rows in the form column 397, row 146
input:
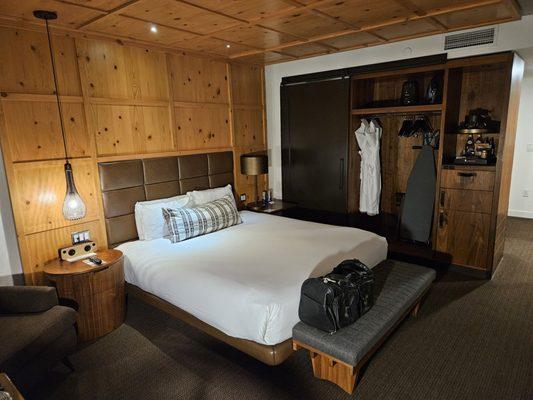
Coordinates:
column 398, row 110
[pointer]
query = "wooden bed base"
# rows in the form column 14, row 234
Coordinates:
column 268, row 354
column 344, row 375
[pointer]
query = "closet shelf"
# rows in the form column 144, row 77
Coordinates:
column 398, row 110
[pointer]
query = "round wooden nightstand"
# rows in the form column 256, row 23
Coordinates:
column 97, row 291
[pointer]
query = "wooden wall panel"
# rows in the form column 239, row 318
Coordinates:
column 249, row 131
column 202, row 128
column 103, row 66
column 131, row 129
column 153, row 131
column 25, row 66
column 248, row 127
column 42, row 247
column 33, row 130
column 246, row 84
column 112, row 127
column 115, row 71
column 39, row 189
column 148, row 74
column 198, row 80
column 119, row 102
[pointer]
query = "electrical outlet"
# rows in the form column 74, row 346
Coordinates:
column 81, row 236
column 525, row 193
column 243, row 197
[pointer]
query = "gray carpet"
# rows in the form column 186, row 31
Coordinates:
column 473, row 339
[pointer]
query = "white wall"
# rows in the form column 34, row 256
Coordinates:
column 522, row 178
column 9, row 253
column 511, row 36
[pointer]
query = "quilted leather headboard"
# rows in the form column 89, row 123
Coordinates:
column 123, row 183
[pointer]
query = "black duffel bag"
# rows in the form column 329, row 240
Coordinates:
column 339, row 298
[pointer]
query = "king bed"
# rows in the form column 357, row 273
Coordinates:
column 240, row 284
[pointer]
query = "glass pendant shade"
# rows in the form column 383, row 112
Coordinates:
column 73, row 206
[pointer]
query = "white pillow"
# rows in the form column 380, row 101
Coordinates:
column 149, row 216
column 199, row 197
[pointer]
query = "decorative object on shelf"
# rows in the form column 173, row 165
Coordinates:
column 73, row 205
column 478, row 121
column 434, row 90
column 481, row 151
column 255, row 164
column 409, row 93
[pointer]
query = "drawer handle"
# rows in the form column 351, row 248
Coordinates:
column 442, row 195
column 467, row 174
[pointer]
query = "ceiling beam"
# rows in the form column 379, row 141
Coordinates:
column 414, row 17
column 113, row 11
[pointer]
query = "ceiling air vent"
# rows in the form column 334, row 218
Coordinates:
column 469, row 39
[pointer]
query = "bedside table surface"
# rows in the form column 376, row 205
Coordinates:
column 60, row 267
column 278, row 205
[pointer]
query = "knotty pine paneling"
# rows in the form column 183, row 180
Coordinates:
column 131, row 129
column 246, row 84
column 115, row 71
column 198, row 80
column 248, row 126
column 121, row 102
column 202, row 127
column 38, row 248
column 33, row 130
column 39, row 189
column 26, row 68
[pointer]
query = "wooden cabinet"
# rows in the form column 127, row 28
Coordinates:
column 465, row 236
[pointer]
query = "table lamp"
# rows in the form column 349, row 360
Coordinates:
column 254, row 164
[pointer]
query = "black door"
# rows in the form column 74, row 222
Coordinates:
column 314, row 139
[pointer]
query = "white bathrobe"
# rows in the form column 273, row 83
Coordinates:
column 368, row 138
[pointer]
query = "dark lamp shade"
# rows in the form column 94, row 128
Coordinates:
column 254, row 164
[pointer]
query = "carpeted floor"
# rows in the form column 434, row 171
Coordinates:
column 473, row 339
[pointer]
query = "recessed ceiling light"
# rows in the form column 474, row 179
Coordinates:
column 153, row 28
column 228, row 46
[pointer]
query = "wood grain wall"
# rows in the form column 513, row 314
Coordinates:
column 119, row 102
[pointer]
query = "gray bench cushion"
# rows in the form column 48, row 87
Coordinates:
column 398, row 286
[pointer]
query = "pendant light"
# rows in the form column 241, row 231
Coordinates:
column 73, row 205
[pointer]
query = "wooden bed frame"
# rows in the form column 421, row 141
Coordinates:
column 126, row 182
column 268, row 354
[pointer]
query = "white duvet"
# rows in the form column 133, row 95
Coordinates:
column 245, row 280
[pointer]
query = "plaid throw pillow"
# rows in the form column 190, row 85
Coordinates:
column 185, row 223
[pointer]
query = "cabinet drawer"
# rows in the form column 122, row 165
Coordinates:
column 479, row 201
column 467, row 179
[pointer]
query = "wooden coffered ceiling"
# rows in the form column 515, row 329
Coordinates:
column 262, row 31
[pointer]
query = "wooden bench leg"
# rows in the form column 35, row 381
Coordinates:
column 332, row 370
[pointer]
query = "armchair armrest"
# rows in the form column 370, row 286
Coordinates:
column 26, row 299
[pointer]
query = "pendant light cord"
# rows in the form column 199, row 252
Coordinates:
column 56, row 90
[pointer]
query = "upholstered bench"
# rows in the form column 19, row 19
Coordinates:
column 339, row 357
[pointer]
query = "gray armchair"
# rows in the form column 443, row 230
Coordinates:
column 35, row 333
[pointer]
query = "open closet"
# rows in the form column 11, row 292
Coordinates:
column 446, row 145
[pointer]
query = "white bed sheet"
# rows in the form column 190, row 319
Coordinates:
column 245, row 280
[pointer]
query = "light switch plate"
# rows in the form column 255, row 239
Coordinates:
column 530, row 147
column 81, row 236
